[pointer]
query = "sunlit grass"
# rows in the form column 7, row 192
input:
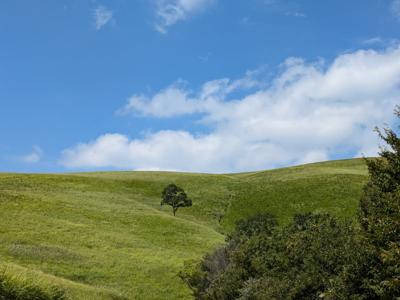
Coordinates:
column 104, row 235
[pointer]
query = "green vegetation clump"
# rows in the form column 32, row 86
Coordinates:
column 302, row 260
column 17, row 288
column 379, row 216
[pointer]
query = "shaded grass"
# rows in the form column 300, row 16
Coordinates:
column 103, row 235
column 17, row 287
column 52, row 286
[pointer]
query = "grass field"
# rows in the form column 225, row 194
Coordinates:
column 103, row 235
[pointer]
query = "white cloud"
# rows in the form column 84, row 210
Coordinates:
column 116, row 150
column 290, row 9
column 314, row 156
column 296, row 14
column 34, row 157
column 170, row 12
column 102, row 16
column 377, row 40
column 380, row 41
column 175, row 100
column 169, row 102
column 308, row 112
column 396, row 8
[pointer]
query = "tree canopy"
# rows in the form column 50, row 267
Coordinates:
column 175, row 197
column 379, row 215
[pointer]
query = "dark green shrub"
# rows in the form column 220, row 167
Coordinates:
column 304, row 260
column 379, row 216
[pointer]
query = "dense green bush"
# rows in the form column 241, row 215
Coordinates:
column 16, row 288
column 379, row 216
column 304, row 260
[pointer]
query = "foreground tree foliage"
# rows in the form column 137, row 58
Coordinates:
column 380, row 215
column 304, row 260
column 316, row 256
column 176, row 197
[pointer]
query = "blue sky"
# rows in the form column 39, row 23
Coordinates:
column 194, row 85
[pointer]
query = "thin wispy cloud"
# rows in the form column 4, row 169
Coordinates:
column 378, row 41
column 102, row 15
column 33, row 157
column 373, row 41
column 170, row 12
column 296, row 14
column 396, row 8
column 309, row 112
column 287, row 8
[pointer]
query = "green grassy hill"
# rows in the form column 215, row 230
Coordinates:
column 104, row 235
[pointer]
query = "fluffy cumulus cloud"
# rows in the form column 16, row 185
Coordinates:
column 175, row 100
column 308, row 112
column 170, row 12
column 102, row 15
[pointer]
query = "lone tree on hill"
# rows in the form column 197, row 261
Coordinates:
column 176, row 197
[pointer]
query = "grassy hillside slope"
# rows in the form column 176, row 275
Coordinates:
column 333, row 186
column 104, row 235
